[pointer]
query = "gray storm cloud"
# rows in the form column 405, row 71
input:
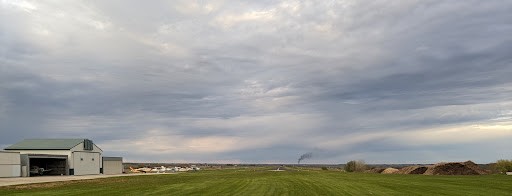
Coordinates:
column 257, row 81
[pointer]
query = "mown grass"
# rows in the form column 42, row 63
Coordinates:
column 263, row 182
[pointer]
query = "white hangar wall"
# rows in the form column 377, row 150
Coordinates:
column 10, row 165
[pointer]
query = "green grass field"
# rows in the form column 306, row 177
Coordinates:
column 263, row 182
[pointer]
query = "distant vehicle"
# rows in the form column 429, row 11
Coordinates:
column 140, row 170
column 176, row 169
column 195, row 168
column 36, row 170
column 172, row 169
column 159, row 169
column 163, row 169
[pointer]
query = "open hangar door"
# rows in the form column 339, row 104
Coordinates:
column 47, row 165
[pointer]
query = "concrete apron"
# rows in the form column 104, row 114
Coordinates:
column 44, row 179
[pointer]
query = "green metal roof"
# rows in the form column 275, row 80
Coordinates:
column 45, row 144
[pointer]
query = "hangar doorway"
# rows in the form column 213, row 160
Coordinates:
column 48, row 165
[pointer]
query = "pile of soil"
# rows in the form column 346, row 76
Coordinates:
column 455, row 168
column 375, row 170
column 413, row 170
column 390, row 170
column 477, row 168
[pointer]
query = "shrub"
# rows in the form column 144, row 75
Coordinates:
column 355, row 166
column 350, row 166
column 324, row 168
column 503, row 165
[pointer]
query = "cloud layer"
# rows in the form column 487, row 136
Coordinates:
column 261, row 81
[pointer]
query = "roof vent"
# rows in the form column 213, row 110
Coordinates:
column 88, row 144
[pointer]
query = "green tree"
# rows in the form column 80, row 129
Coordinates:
column 503, row 165
column 355, row 166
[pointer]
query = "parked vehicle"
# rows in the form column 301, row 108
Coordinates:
column 36, row 170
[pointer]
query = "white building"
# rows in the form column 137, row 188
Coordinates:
column 59, row 156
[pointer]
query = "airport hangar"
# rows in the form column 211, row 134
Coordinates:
column 57, row 157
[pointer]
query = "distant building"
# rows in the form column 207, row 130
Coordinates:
column 58, row 157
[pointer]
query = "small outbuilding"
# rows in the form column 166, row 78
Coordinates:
column 113, row 165
column 58, row 156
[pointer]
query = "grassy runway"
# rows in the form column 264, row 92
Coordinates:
column 263, row 182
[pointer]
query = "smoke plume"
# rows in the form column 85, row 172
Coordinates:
column 305, row 156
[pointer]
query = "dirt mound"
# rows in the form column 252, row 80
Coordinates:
column 413, row 170
column 477, row 168
column 375, row 170
column 455, row 168
column 390, row 170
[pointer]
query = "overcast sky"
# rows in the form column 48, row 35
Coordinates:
column 261, row 81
